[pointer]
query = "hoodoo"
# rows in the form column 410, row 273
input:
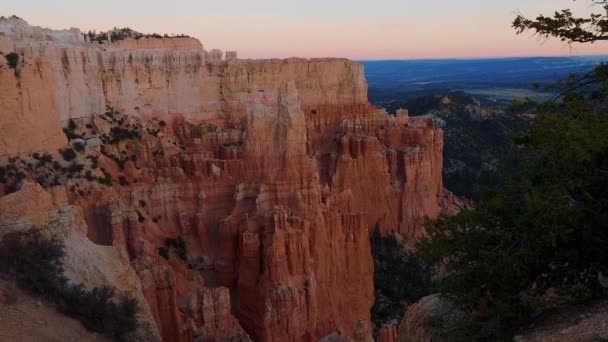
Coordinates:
column 237, row 196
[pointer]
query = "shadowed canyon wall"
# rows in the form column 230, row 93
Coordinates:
column 273, row 172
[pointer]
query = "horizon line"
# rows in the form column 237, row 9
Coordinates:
column 475, row 57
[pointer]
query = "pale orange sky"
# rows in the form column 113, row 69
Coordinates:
column 356, row 29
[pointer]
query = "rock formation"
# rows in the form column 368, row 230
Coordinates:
column 85, row 263
column 271, row 173
column 431, row 319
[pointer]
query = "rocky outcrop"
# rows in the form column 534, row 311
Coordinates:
column 242, row 192
column 25, row 318
column 431, row 319
column 579, row 322
column 388, row 333
column 59, row 76
column 84, row 262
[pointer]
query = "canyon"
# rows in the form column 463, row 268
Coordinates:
column 273, row 173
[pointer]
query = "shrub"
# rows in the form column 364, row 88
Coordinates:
column 79, row 146
column 12, row 59
column 94, row 161
column 68, row 154
column 541, row 228
column 71, row 125
column 122, row 180
column 164, row 252
column 179, row 246
column 10, row 188
column 89, row 176
column 98, row 311
column 71, row 134
column 36, row 263
column 75, row 168
column 107, row 178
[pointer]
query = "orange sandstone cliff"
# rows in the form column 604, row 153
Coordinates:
column 273, row 172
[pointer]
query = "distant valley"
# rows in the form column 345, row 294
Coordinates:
column 467, row 99
column 494, row 81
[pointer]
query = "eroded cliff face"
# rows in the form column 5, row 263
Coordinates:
column 272, row 172
column 59, row 76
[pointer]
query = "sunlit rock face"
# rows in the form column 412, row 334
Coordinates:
column 271, row 172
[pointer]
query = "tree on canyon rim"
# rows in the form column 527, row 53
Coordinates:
column 544, row 228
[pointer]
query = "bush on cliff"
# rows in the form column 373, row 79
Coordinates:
column 122, row 180
column 12, row 59
column 98, row 311
column 35, row 262
column 68, row 154
column 79, row 146
column 179, row 246
column 163, row 252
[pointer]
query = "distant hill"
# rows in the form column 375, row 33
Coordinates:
column 494, row 81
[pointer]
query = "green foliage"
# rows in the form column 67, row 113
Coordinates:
column 122, row 180
column 79, row 146
column 68, row 154
column 164, row 252
column 10, row 188
column 566, row 27
column 11, row 175
column 545, row 225
column 179, row 247
column 12, row 59
column 98, row 311
column 94, row 161
column 107, row 178
column 36, row 264
column 75, row 168
column 71, row 125
column 119, row 134
column 118, row 34
column 399, row 278
column 70, row 131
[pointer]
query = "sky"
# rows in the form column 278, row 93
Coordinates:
column 356, row 29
